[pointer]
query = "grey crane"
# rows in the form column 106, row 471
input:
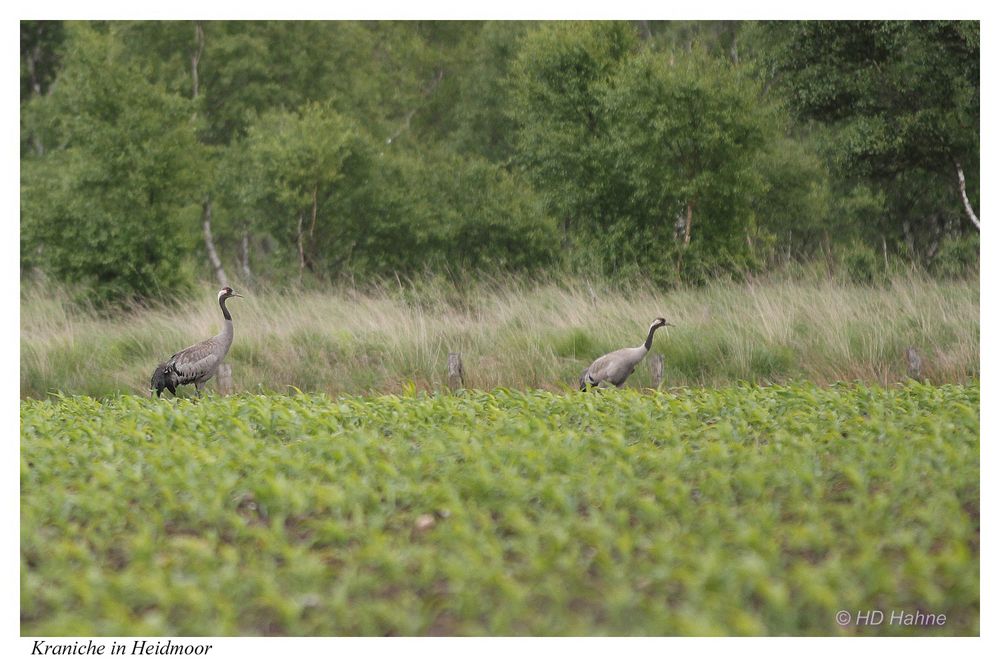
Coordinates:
column 197, row 364
column 616, row 367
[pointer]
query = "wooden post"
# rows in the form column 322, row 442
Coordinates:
column 456, row 379
column 224, row 377
column 913, row 363
column 656, row 369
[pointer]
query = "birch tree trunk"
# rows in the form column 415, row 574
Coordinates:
column 302, row 252
column 206, row 209
column 245, row 256
column 965, row 198
column 213, row 256
column 312, row 229
column 36, row 88
column 199, row 42
column 687, row 223
column 315, row 204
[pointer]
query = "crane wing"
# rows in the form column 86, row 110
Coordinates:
column 615, row 367
column 197, row 360
column 597, row 371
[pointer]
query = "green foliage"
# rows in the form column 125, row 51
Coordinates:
column 556, row 91
column 41, row 43
column 296, row 160
column 105, row 211
column 903, row 100
column 299, row 153
column 745, row 511
column 957, row 257
column 797, row 206
column 721, row 39
column 480, row 217
column 442, row 146
column 908, row 90
column 622, row 141
column 681, row 135
column 863, row 265
column 484, row 125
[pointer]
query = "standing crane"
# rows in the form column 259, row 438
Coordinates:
column 616, row 367
column 197, row 364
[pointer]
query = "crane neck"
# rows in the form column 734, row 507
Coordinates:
column 227, row 332
column 649, row 338
column 225, row 311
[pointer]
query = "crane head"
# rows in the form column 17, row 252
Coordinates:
column 661, row 322
column 227, row 292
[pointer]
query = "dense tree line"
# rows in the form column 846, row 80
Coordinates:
column 153, row 153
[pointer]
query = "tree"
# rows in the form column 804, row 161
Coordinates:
column 41, row 43
column 720, row 39
column 41, row 56
column 903, row 100
column 681, row 146
column 106, row 209
column 623, row 141
column 297, row 159
column 483, row 124
column 556, row 83
column 474, row 216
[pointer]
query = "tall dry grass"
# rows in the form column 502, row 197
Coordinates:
column 382, row 339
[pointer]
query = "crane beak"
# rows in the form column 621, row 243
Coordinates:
column 235, row 294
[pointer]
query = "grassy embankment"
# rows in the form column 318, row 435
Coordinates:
column 381, row 340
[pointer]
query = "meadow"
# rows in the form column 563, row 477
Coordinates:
column 745, row 510
column 381, row 339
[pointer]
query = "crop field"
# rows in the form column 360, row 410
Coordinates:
column 744, row 510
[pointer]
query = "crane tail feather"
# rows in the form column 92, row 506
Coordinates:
column 164, row 377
